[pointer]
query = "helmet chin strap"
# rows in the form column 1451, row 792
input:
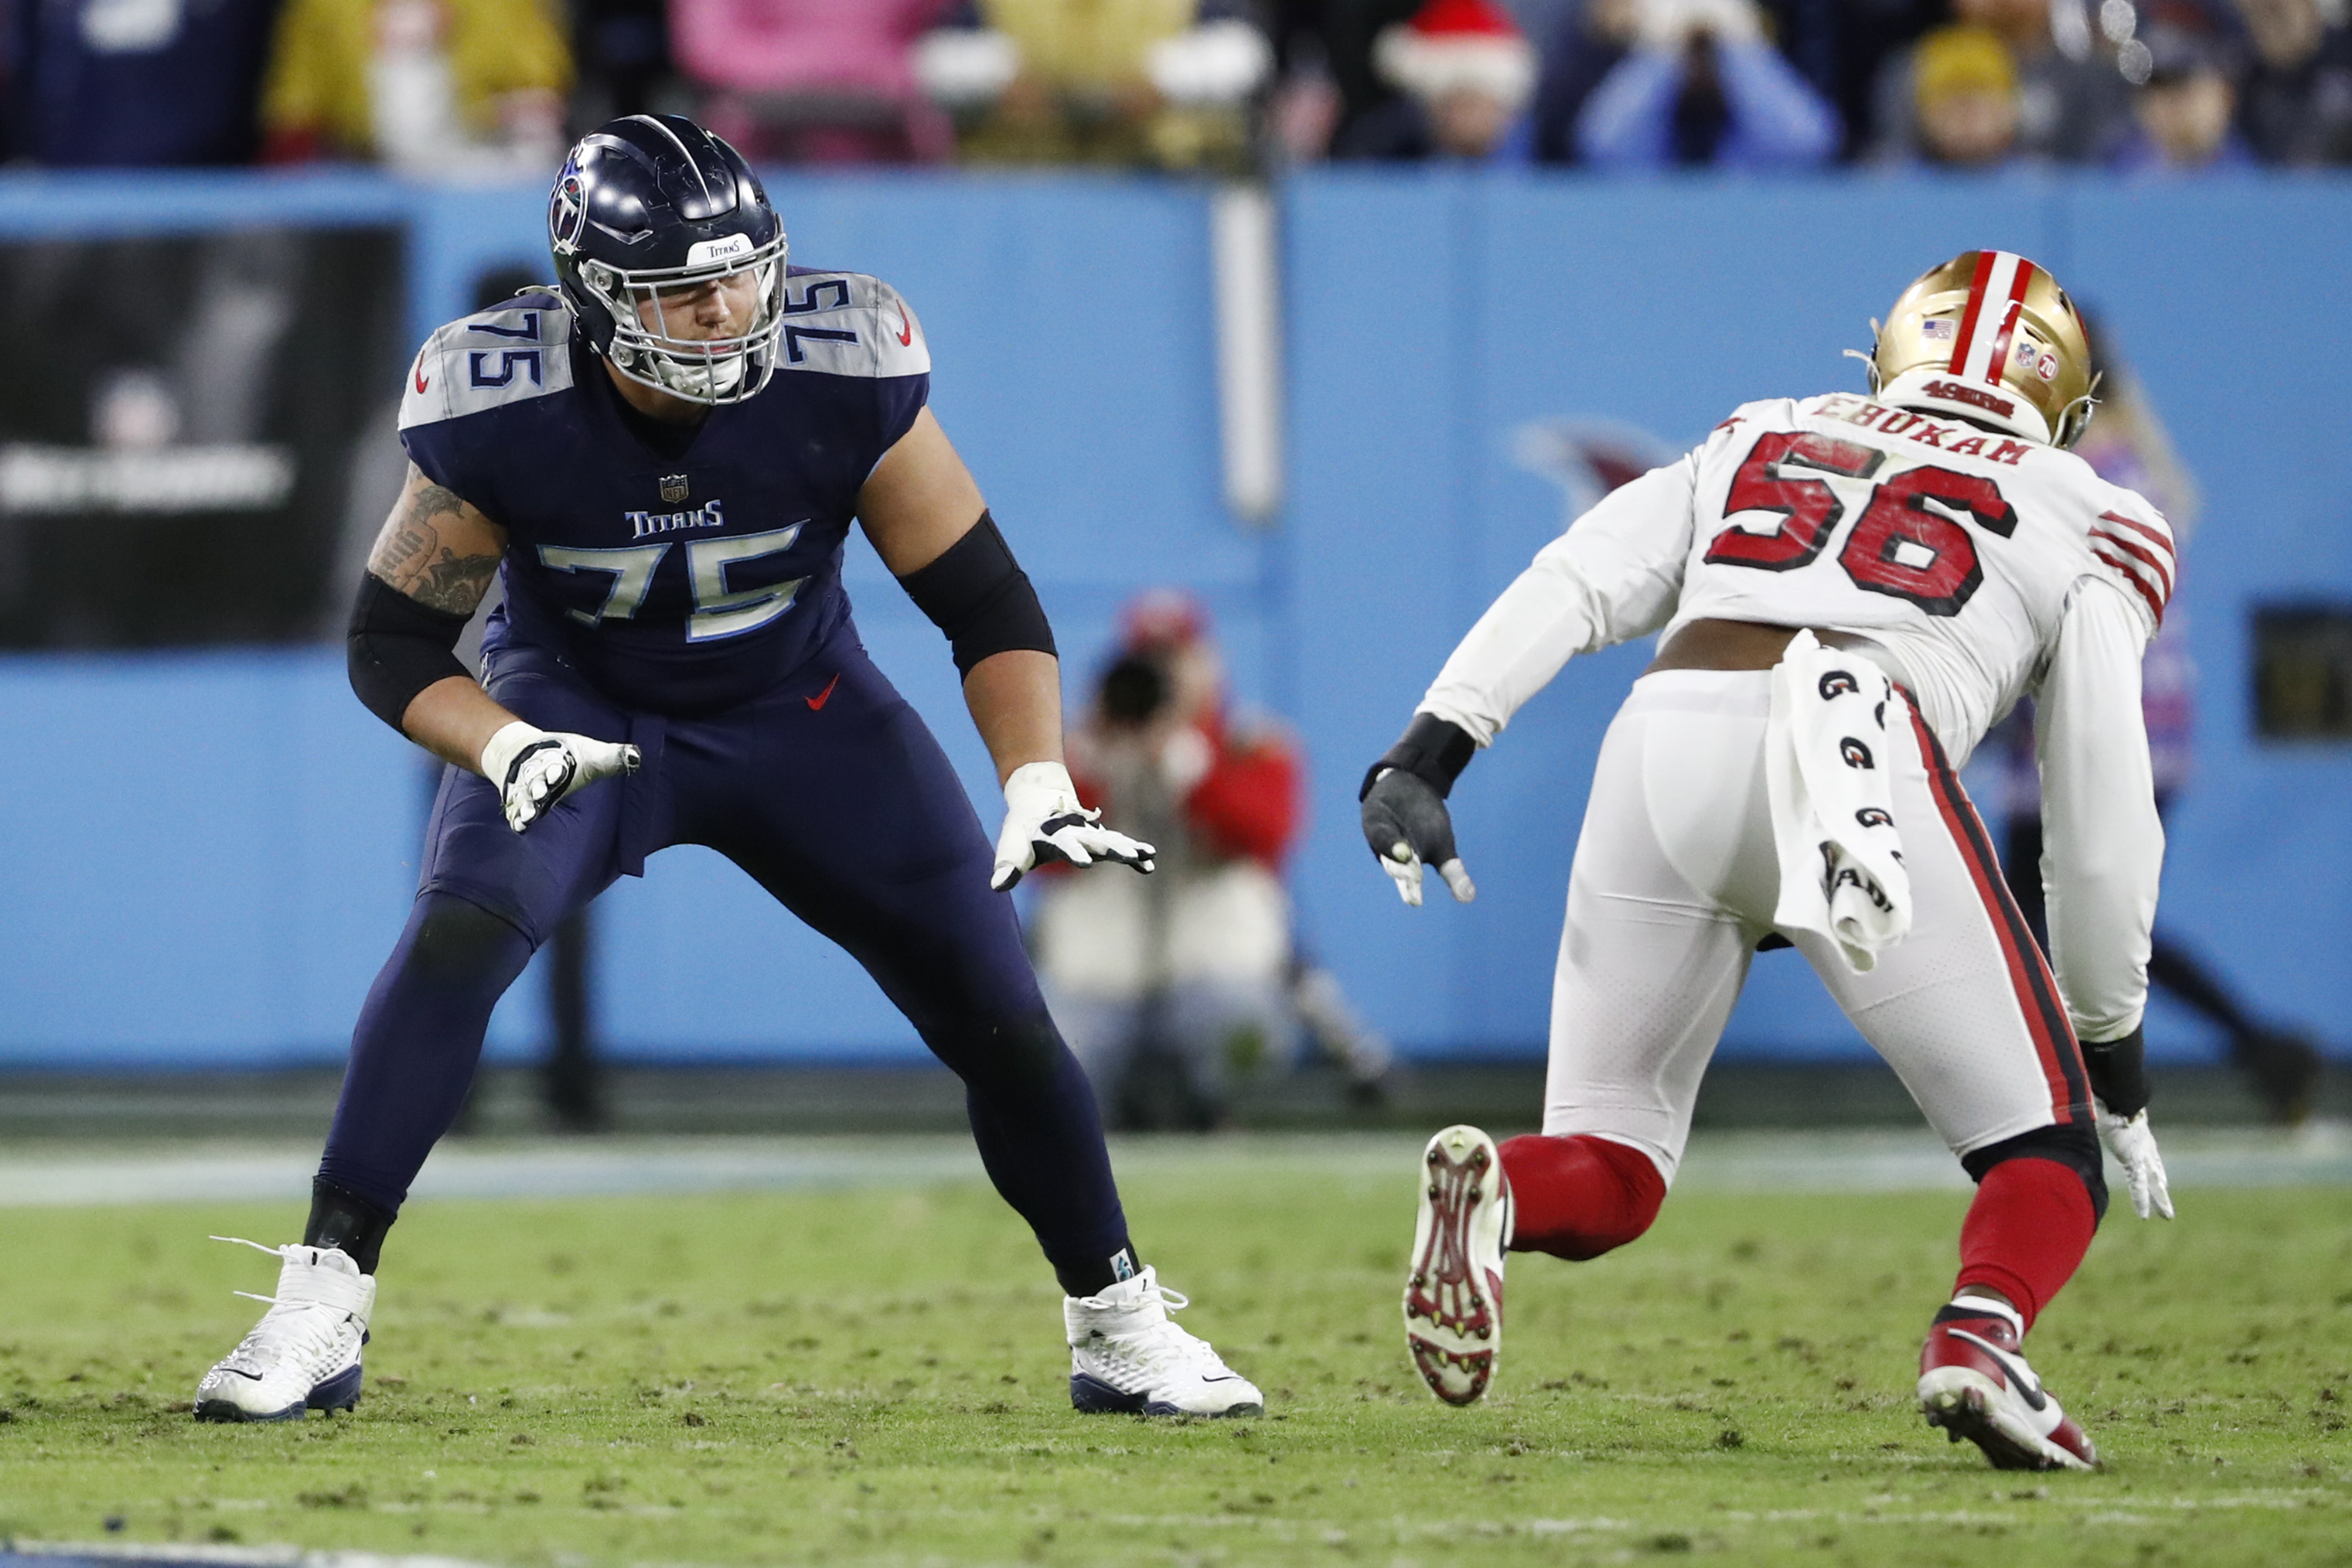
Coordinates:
column 706, row 382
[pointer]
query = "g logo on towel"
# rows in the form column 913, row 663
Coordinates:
column 1855, row 753
column 1837, row 683
column 1873, row 816
column 1848, row 876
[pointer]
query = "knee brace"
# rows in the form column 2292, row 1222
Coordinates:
column 2074, row 1145
column 1579, row 1197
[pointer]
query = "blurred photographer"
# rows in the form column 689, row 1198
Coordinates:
column 1703, row 87
column 1185, row 973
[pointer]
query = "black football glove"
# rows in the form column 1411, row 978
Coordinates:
column 1404, row 807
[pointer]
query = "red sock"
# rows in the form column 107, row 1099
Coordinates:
column 1579, row 1197
column 2027, row 1232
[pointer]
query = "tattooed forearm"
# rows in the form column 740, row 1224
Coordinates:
column 436, row 548
column 455, row 582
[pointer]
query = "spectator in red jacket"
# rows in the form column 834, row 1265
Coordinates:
column 1180, row 979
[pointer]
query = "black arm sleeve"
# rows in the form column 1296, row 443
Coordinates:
column 978, row 595
column 2119, row 1073
column 1431, row 748
column 397, row 647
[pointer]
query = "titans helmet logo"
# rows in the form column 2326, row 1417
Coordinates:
column 567, row 210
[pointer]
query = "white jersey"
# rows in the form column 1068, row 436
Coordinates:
column 1986, row 567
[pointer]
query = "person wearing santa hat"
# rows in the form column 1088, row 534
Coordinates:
column 1466, row 73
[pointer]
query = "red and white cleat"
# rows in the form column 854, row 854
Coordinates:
column 1974, row 1384
column 1453, row 1297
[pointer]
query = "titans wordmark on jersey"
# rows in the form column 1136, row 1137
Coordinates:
column 679, row 569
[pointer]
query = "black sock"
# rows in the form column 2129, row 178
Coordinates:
column 345, row 1220
column 1095, row 1275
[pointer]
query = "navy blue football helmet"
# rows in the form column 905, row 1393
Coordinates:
column 652, row 205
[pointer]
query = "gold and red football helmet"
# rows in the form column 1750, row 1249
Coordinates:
column 1990, row 336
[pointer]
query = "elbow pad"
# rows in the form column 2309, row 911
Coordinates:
column 397, row 647
column 978, row 595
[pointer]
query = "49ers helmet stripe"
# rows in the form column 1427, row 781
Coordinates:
column 1999, row 355
column 1998, row 293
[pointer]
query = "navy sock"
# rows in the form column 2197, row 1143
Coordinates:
column 413, row 1053
column 1093, row 1276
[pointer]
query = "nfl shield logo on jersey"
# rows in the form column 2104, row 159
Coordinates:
column 673, row 489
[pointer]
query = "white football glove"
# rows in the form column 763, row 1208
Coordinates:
column 1044, row 823
column 533, row 768
column 2133, row 1144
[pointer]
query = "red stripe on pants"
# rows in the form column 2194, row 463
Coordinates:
column 2029, row 976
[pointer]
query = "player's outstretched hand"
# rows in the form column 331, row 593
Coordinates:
column 2133, row 1144
column 535, row 768
column 1406, row 823
column 1044, row 823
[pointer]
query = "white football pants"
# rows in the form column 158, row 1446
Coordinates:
column 1676, row 881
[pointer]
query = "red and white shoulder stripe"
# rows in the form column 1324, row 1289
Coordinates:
column 2140, row 554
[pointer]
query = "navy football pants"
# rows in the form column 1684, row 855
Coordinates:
column 833, row 795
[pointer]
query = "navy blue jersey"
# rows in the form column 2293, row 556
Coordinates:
column 679, row 569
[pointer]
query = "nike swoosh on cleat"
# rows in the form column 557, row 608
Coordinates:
column 906, row 328
column 816, row 703
column 2019, row 1377
column 420, row 375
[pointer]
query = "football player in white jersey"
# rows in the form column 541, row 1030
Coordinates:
column 1850, row 589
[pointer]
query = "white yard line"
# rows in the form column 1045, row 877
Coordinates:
column 1826, row 1162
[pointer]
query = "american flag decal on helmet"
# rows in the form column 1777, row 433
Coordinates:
column 1988, row 320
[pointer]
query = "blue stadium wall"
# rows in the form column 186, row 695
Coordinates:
column 204, row 856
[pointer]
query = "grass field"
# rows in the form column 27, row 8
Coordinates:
column 876, row 1375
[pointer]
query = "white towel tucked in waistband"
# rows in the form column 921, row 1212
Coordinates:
column 1828, row 773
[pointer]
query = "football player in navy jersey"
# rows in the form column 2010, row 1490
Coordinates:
column 661, row 457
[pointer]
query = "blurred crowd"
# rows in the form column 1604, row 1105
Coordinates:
column 460, row 88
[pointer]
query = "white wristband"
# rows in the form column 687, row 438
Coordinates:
column 1050, row 777
column 501, row 750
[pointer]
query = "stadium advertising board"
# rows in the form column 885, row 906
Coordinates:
column 180, row 471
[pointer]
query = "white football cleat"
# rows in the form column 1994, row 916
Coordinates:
column 304, row 1354
column 1126, row 1357
column 1453, row 1297
column 1974, row 1384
